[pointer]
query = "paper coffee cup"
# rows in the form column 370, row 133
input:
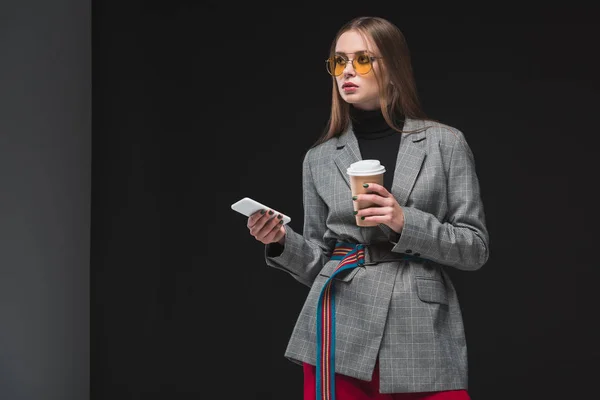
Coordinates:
column 361, row 172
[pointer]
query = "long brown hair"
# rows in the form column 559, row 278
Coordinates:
column 399, row 98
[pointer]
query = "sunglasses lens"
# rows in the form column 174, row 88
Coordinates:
column 362, row 63
column 339, row 65
column 330, row 66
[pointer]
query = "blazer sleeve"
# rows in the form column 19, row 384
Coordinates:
column 461, row 240
column 304, row 255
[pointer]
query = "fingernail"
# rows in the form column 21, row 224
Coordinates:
column 280, row 216
column 271, row 212
column 354, row 197
column 355, row 212
column 365, row 185
column 281, row 222
column 362, row 217
column 263, row 211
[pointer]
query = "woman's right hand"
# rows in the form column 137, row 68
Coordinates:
column 267, row 228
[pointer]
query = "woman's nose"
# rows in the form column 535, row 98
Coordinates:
column 349, row 69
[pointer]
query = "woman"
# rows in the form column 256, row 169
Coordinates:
column 382, row 318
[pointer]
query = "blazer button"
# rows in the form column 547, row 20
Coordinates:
column 408, row 251
column 417, row 254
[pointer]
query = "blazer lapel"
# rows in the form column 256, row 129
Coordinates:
column 409, row 161
column 347, row 153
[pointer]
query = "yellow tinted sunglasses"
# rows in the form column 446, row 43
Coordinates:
column 362, row 63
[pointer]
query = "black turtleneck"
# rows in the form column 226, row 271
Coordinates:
column 377, row 140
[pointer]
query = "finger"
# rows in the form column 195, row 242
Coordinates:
column 373, row 219
column 261, row 218
column 270, row 230
column 374, row 215
column 253, row 218
column 267, row 222
column 276, row 234
column 373, row 198
column 377, row 188
column 375, row 212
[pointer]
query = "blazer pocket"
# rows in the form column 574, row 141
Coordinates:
column 343, row 276
column 431, row 291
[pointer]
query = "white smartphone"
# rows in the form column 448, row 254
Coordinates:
column 248, row 206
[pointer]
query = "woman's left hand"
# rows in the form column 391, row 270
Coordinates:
column 386, row 209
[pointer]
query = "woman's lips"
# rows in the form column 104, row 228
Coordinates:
column 349, row 87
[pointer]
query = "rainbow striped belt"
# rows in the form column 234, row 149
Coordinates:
column 352, row 255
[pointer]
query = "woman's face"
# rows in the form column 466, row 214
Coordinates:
column 360, row 90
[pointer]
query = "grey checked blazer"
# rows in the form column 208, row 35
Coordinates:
column 403, row 312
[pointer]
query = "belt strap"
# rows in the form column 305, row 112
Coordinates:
column 351, row 255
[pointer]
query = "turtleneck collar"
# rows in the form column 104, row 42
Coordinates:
column 370, row 124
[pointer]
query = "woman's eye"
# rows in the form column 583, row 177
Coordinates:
column 340, row 60
column 363, row 59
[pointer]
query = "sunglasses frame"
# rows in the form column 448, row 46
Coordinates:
column 371, row 59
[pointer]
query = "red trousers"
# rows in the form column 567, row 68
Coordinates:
column 348, row 388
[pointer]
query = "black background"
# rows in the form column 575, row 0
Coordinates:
column 196, row 106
